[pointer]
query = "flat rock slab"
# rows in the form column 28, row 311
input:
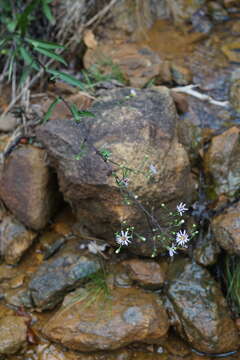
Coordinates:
column 199, row 309
column 87, row 323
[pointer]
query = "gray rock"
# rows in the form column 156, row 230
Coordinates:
column 62, row 273
column 206, row 251
column 8, row 122
column 199, row 309
column 130, row 126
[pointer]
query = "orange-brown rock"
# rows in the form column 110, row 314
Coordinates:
column 28, row 187
column 87, row 323
column 226, row 229
column 146, row 272
column 138, row 65
column 222, row 161
column 15, row 239
column 13, row 334
column 139, row 130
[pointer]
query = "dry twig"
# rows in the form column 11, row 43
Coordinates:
column 203, row 97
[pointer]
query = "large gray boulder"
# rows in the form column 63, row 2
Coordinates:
column 139, row 129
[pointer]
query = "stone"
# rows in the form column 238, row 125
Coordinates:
column 8, row 122
column 139, row 129
column 15, row 239
column 206, row 251
column 61, row 111
column 180, row 74
column 63, row 272
column 198, row 309
column 222, row 162
column 146, row 273
column 13, row 334
column 126, row 316
column 234, row 95
column 217, row 12
column 28, row 187
column 182, row 10
column 228, row 48
column 138, row 65
column 226, row 229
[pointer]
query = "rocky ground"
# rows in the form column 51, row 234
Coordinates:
column 64, row 292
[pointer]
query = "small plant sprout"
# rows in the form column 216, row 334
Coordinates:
column 106, row 154
column 181, row 208
column 182, row 238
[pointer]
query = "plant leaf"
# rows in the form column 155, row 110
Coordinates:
column 44, row 44
column 25, row 73
column 51, row 55
column 48, row 13
column 50, row 109
column 67, row 78
column 27, row 57
column 23, row 19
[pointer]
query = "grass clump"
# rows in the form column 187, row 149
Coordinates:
column 232, row 278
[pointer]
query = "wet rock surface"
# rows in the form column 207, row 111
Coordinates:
column 60, row 274
column 222, row 161
column 13, row 334
column 130, row 131
column 32, row 196
column 127, row 316
column 206, row 251
column 15, row 238
column 199, row 309
column 226, row 229
column 138, row 65
column 148, row 274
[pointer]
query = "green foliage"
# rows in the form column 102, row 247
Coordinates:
column 17, row 48
column 95, row 290
column 232, row 279
column 95, row 73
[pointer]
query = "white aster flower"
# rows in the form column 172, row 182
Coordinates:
column 182, row 237
column 153, row 169
column 124, row 238
column 181, row 208
column 172, row 250
column 133, row 92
